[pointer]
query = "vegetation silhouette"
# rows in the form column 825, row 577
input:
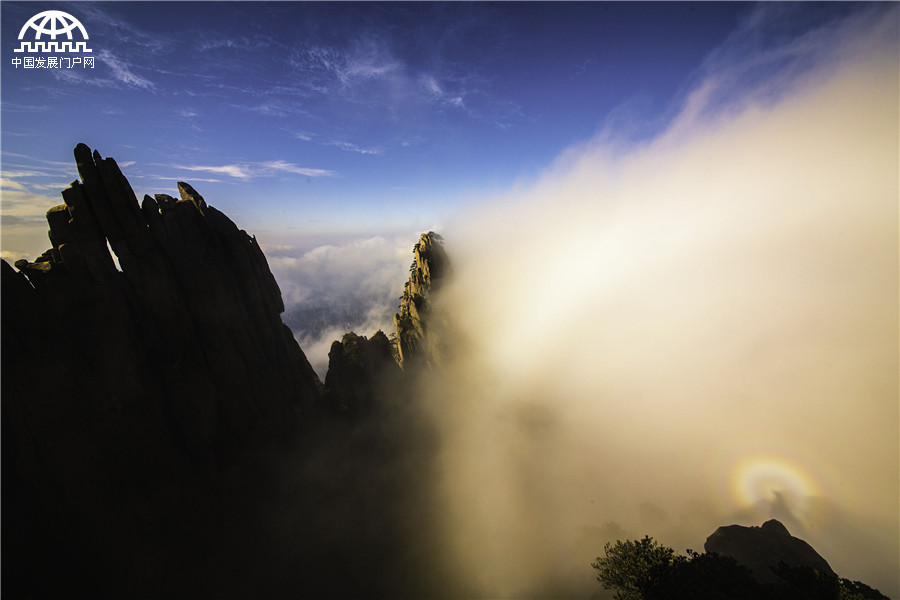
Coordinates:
column 646, row 570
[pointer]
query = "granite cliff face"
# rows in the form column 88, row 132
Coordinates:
column 761, row 549
column 126, row 392
column 416, row 324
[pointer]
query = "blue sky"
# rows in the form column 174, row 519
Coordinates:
column 328, row 118
column 336, row 132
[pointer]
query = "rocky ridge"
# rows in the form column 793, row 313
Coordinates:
column 190, row 324
column 126, row 391
column 762, row 549
column 415, row 323
column 362, row 377
column 156, row 411
column 377, row 373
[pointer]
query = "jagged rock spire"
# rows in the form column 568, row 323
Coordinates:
column 174, row 364
column 414, row 323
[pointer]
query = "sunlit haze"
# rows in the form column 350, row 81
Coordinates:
column 696, row 330
column 673, row 229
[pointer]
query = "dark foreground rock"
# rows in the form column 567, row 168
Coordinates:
column 763, row 549
column 363, row 377
column 127, row 394
column 777, row 566
column 165, row 437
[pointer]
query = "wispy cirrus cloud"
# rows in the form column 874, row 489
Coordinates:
column 259, row 169
column 275, row 107
column 339, row 143
column 11, row 184
column 34, row 170
column 369, row 74
column 369, row 59
column 51, row 187
column 433, row 87
column 110, row 25
column 18, row 200
column 237, row 171
column 354, row 148
column 19, row 174
column 282, row 166
column 242, row 43
column 193, row 179
column 122, row 72
column 25, row 108
column 27, row 191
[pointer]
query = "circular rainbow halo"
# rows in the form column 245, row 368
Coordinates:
column 773, row 480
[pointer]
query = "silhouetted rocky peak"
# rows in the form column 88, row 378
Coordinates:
column 362, row 375
column 414, row 322
column 762, row 549
column 125, row 392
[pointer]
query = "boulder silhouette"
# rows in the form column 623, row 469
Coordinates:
column 762, row 549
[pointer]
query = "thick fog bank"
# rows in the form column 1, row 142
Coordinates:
column 693, row 332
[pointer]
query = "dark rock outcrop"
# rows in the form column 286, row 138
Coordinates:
column 125, row 392
column 362, row 376
column 161, row 433
column 763, row 549
column 416, row 324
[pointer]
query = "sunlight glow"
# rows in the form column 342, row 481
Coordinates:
column 771, row 478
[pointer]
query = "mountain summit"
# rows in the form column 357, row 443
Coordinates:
column 126, row 391
column 762, row 549
column 415, row 323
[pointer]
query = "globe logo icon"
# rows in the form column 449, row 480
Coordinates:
column 49, row 25
column 59, row 23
